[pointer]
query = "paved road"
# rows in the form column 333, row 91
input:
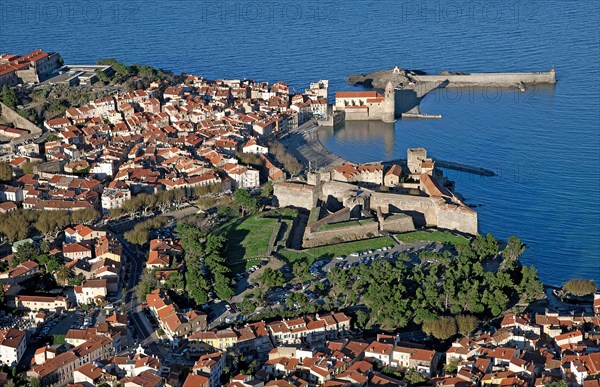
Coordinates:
column 142, row 331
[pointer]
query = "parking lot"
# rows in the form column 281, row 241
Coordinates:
column 369, row 256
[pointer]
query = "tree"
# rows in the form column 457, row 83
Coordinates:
column 84, row 216
column 25, row 252
column 530, row 287
column 485, row 247
column 296, row 299
column 15, row 225
column 290, row 163
column 557, row 383
column 267, row 190
column 64, row 274
column 579, row 287
column 51, row 262
column 301, row 269
column 247, row 307
column 197, row 287
column 34, row 382
column 452, row 366
column 514, row 249
column 362, row 318
column 441, row 328
column 271, row 278
column 5, row 171
column 137, row 236
column 9, row 97
column 49, row 222
column 414, row 377
column 146, row 285
column 222, row 287
column 320, row 288
column 466, row 324
column 175, row 281
column 27, row 167
column 76, row 280
column 248, row 204
column 249, row 159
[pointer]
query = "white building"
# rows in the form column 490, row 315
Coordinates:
column 9, row 193
column 12, row 346
column 103, row 169
column 252, row 147
column 244, row 177
column 114, row 198
column 92, row 291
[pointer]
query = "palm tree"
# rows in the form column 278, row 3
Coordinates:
column 63, row 274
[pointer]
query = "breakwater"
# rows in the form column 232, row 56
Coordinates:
column 411, row 86
column 488, row 79
column 451, row 165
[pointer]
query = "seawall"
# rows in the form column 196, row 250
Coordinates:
column 489, row 79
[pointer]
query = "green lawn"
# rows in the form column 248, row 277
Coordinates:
column 317, row 253
column 248, row 238
column 336, row 250
column 432, row 236
column 315, row 214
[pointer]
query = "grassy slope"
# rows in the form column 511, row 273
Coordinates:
column 370, row 244
column 432, row 236
column 248, row 238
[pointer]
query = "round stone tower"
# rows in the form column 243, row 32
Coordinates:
column 389, row 104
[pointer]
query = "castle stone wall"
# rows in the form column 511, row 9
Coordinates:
column 339, row 235
column 428, row 211
column 342, row 215
column 423, row 211
column 454, row 217
column 399, row 224
column 295, row 195
column 9, row 115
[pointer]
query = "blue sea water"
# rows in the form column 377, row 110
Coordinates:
column 544, row 143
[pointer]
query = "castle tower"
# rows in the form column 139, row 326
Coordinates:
column 389, row 104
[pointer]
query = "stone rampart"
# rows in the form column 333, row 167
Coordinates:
column 342, row 215
column 295, row 195
column 368, row 229
column 424, row 211
column 428, row 211
column 398, row 223
column 9, row 115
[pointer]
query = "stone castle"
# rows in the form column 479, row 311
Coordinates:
column 352, row 202
column 367, row 105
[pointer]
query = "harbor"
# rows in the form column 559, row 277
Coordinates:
column 305, row 144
